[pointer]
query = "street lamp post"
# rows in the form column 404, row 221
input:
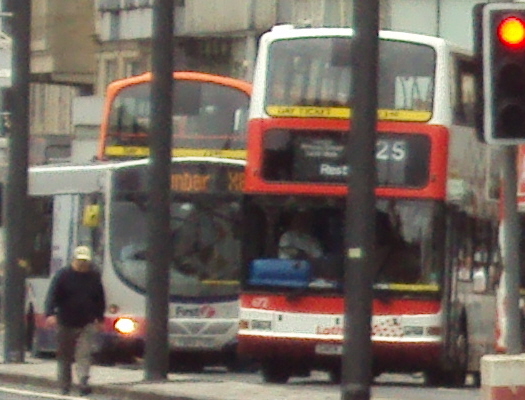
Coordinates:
column 360, row 208
column 157, row 285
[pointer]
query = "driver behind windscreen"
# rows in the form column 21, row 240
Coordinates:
column 298, row 242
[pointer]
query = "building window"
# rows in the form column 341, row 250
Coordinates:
column 130, row 4
column 109, row 5
column 40, row 105
column 110, row 71
column 132, row 67
column 114, row 26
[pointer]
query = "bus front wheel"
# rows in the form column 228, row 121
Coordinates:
column 275, row 372
column 456, row 375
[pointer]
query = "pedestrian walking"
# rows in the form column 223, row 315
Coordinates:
column 75, row 305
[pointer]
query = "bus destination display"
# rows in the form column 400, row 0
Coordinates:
column 402, row 160
column 186, row 179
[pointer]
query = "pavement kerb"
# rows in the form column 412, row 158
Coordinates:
column 26, row 380
column 118, row 390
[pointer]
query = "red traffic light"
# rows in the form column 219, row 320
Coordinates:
column 511, row 32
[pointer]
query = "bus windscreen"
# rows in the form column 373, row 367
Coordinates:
column 312, row 77
column 201, row 111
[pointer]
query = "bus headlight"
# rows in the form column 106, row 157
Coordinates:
column 125, row 325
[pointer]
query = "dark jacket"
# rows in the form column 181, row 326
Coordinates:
column 76, row 298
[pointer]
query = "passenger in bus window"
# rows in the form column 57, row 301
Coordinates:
column 386, row 238
column 495, row 270
column 396, row 260
column 464, row 264
column 298, row 242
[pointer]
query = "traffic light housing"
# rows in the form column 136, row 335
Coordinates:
column 503, row 72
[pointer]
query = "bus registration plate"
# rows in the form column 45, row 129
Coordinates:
column 192, row 342
column 328, row 349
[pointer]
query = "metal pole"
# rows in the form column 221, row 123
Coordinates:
column 360, row 208
column 156, row 360
column 510, row 251
column 15, row 205
column 251, row 41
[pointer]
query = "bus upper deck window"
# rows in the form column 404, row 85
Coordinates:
column 340, row 52
column 187, row 98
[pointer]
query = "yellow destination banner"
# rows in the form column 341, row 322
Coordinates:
column 407, row 287
column 212, row 282
column 142, row 151
column 345, row 113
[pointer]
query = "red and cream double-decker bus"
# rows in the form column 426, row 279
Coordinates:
column 436, row 251
column 209, row 116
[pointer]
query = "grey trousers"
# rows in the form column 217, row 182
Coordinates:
column 74, row 345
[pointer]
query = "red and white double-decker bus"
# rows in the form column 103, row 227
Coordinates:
column 437, row 253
